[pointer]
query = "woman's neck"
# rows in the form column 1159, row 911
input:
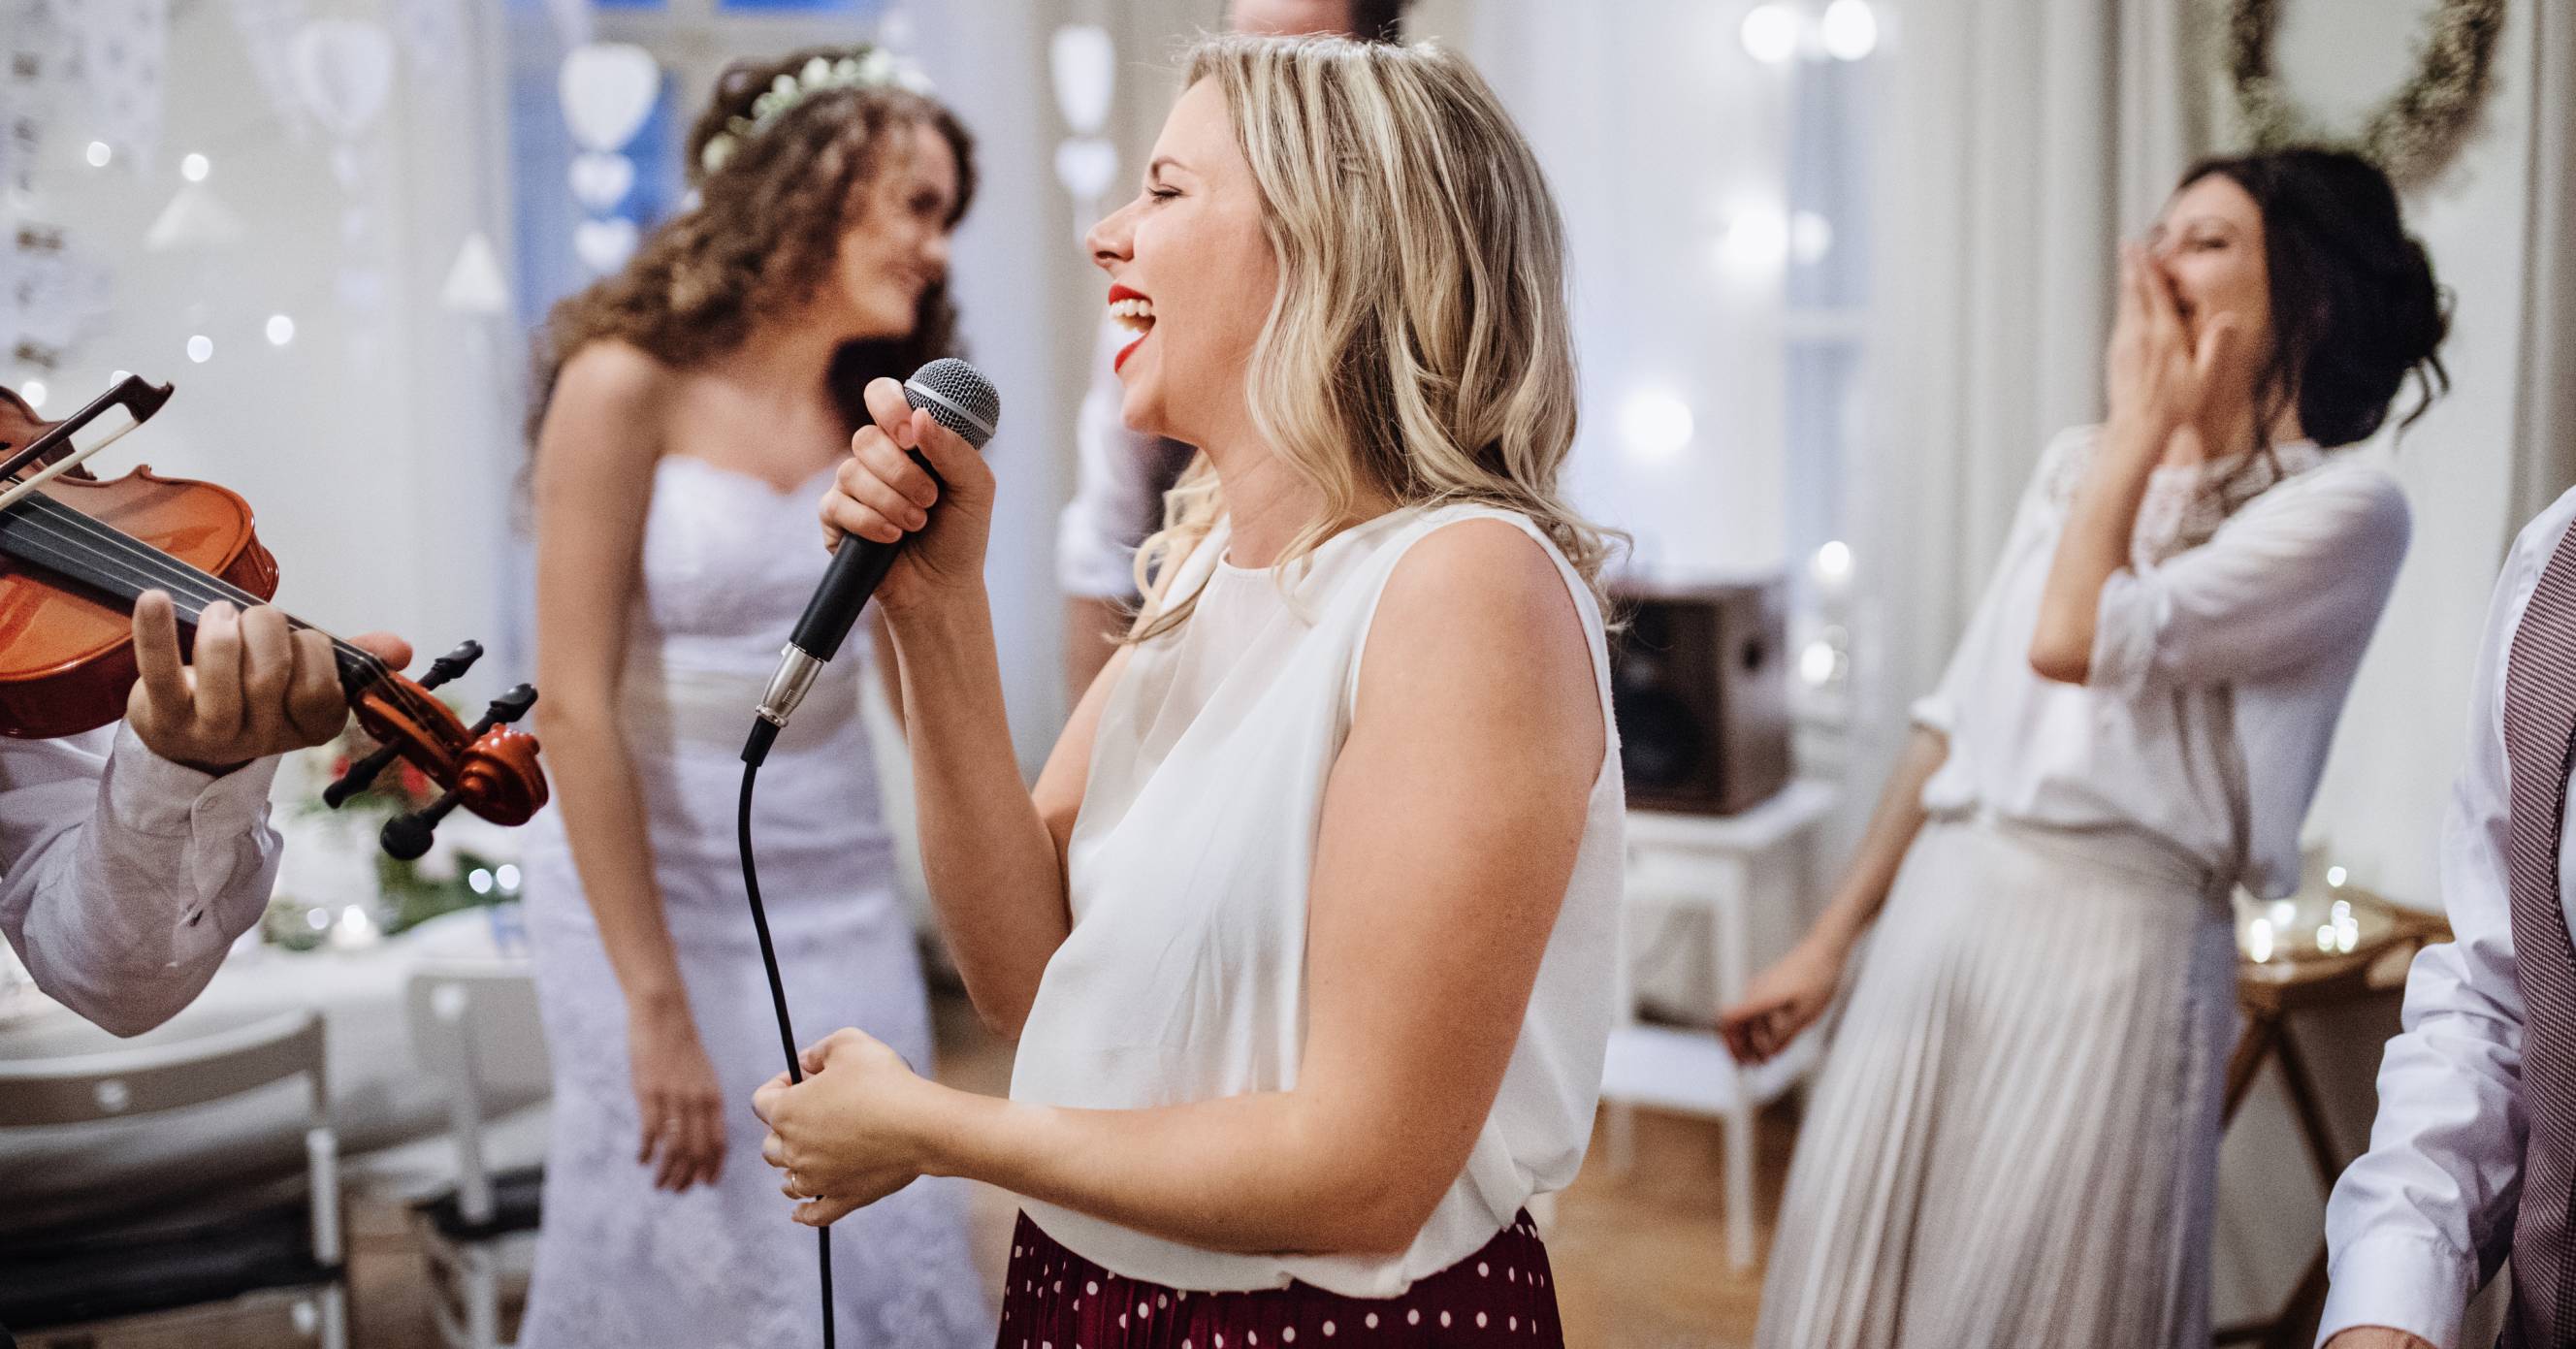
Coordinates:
column 1267, row 503
column 785, row 359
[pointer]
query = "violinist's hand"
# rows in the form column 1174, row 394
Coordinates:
column 258, row 687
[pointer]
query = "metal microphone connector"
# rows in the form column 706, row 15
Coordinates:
column 787, row 688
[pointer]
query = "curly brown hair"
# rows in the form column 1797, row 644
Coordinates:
column 767, row 227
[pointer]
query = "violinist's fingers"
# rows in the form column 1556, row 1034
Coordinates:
column 156, row 654
column 314, row 703
column 267, row 674
column 218, row 698
column 385, row 647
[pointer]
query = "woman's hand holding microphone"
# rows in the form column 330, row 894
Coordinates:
column 881, row 495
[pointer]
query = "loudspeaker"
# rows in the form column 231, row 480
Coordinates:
column 1699, row 683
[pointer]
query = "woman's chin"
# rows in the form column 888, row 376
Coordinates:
column 1141, row 412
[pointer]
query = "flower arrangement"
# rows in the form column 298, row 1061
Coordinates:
column 333, row 866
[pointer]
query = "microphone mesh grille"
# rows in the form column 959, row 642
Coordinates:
column 964, row 401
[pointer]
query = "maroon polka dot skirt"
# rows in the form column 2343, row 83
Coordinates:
column 1503, row 1295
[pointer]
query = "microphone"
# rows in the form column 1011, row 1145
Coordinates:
column 957, row 396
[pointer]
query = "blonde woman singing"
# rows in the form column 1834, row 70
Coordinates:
column 1304, row 929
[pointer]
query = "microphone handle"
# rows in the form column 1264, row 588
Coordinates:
column 857, row 568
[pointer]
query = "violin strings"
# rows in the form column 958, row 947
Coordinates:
column 55, row 523
column 184, row 580
column 194, row 584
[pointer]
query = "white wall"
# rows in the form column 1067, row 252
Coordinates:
column 375, row 455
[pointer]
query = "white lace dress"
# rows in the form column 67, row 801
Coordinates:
column 728, row 563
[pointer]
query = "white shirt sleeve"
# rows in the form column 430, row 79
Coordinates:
column 127, row 876
column 2305, row 566
column 2424, row 1217
column 1115, row 495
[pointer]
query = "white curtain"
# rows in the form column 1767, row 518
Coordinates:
column 1666, row 144
column 2545, row 426
column 2020, row 140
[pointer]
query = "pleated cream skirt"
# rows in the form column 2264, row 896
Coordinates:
column 2014, row 1140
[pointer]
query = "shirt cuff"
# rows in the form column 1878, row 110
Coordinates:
column 150, row 795
column 1933, row 712
column 2401, row 1281
column 2126, row 625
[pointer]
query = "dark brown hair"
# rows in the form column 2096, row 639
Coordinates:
column 766, row 229
column 2355, row 306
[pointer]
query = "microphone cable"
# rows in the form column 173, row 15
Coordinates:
column 754, row 750
column 958, row 397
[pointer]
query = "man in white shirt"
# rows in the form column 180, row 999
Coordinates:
column 2470, row 1158
column 133, row 855
column 1120, row 475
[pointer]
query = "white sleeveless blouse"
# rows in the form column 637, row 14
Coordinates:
column 1184, row 976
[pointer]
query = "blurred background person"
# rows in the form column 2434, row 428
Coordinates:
column 694, row 403
column 2133, row 725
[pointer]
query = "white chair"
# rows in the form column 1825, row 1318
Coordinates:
column 474, row 1027
column 1750, row 872
column 138, row 1284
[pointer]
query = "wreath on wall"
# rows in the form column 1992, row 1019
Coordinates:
column 2417, row 130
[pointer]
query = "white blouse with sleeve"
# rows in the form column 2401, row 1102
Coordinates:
column 2272, row 612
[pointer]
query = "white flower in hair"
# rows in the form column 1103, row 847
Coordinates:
column 877, row 68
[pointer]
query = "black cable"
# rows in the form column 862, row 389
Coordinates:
column 752, row 753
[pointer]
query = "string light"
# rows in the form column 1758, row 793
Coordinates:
column 195, row 168
column 1849, row 30
column 281, row 330
column 1834, row 561
column 1770, row 33
column 1656, row 424
column 99, row 154
column 1817, row 663
column 201, row 348
column 1757, row 238
column 34, row 392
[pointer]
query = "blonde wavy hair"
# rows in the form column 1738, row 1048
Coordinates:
column 1418, row 347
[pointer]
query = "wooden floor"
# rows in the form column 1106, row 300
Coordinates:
column 1640, row 1259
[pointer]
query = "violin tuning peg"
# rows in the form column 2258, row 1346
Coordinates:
column 406, row 837
column 356, row 779
column 453, row 664
column 507, row 708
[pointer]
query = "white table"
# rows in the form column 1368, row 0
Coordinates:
column 1752, row 872
column 379, row 1098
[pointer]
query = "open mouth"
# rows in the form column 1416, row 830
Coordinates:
column 1133, row 313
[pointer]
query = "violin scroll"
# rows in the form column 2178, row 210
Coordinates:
column 489, row 768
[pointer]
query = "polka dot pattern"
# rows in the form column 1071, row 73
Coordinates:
column 1059, row 1298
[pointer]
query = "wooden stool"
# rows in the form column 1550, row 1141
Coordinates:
column 2294, row 978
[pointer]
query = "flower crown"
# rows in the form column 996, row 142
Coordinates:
column 878, row 69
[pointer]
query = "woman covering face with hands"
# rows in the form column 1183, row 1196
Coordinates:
column 2132, row 726
column 1302, row 929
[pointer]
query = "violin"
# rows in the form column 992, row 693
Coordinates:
column 77, row 551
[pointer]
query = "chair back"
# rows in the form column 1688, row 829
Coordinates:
column 116, row 1083
column 475, row 1028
